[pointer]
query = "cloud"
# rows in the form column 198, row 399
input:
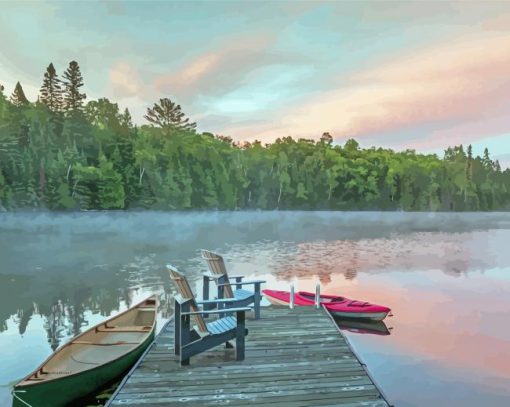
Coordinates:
column 461, row 81
column 222, row 68
column 498, row 23
column 124, row 80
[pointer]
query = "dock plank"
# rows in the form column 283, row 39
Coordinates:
column 294, row 357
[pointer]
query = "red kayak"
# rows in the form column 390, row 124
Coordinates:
column 338, row 306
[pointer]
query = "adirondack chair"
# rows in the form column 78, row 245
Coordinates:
column 190, row 341
column 218, row 272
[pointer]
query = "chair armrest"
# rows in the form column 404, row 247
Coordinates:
column 211, row 276
column 219, row 301
column 243, row 283
column 222, row 311
column 181, row 300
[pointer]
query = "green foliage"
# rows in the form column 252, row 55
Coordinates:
column 169, row 116
column 72, row 96
column 51, row 91
column 18, row 97
column 93, row 157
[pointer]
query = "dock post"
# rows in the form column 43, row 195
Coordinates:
column 291, row 302
column 318, row 295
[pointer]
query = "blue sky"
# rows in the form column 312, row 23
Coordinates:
column 420, row 75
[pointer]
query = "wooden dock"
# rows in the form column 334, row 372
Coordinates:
column 294, row 357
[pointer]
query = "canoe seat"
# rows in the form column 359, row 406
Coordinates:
column 105, row 344
column 123, row 328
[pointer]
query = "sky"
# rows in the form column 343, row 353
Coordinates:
column 419, row 75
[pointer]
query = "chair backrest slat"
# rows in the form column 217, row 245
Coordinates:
column 216, row 266
column 184, row 289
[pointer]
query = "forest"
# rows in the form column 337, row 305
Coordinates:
column 63, row 152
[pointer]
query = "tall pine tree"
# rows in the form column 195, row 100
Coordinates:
column 73, row 81
column 125, row 119
column 168, row 115
column 51, row 92
column 18, row 97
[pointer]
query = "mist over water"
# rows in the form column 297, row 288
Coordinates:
column 446, row 277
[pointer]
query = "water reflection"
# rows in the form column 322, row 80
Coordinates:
column 363, row 326
column 62, row 274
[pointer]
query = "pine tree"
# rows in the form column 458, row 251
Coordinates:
column 125, row 119
column 497, row 166
column 18, row 97
column 73, row 81
column 469, row 165
column 167, row 115
column 486, row 160
column 470, row 198
column 110, row 192
column 51, row 92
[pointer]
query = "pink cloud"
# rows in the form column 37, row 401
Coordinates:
column 124, row 80
column 221, row 67
column 191, row 73
column 461, row 81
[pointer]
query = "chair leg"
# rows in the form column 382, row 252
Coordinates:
column 221, row 295
column 177, row 324
column 240, row 334
column 184, row 336
column 205, row 294
column 256, row 302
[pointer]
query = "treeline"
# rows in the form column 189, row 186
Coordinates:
column 63, row 153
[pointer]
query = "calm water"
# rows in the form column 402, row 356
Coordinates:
column 446, row 277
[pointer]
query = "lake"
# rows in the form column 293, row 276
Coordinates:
column 445, row 276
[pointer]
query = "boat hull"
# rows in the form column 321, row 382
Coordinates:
column 61, row 392
column 90, row 360
column 338, row 306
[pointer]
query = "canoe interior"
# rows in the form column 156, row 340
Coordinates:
column 99, row 345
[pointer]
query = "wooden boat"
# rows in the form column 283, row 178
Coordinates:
column 338, row 306
column 91, row 359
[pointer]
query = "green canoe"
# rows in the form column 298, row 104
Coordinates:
column 90, row 360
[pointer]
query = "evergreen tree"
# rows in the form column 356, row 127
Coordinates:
column 100, row 160
column 469, row 164
column 73, row 81
column 125, row 119
column 167, row 115
column 110, row 190
column 470, row 197
column 486, row 160
column 18, row 97
column 51, row 92
column 497, row 166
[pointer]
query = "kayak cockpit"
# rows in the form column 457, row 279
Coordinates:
column 323, row 299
